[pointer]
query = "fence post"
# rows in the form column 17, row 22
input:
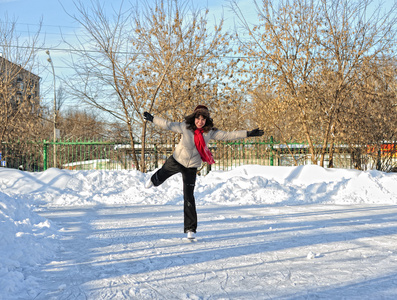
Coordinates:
column 45, row 149
column 271, row 151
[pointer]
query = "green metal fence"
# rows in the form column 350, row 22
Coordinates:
column 103, row 155
column 269, row 153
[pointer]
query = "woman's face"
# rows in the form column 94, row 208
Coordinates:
column 199, row 121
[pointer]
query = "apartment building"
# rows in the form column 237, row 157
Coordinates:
column 18, row 86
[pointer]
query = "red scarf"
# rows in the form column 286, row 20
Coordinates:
column 202, row 148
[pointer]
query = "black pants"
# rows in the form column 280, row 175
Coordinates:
column 172, row 167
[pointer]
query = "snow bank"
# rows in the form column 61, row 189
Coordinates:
column 26, row 239
column 246, row 185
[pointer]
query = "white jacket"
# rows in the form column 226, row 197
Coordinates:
column 186, row 152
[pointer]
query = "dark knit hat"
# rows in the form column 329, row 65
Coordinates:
column 202, row 110
column 200, row 107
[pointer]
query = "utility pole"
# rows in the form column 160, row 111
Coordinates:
column 55, row 108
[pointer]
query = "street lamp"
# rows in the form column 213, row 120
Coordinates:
column 55, row 108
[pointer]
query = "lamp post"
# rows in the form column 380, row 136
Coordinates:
column 55, row 108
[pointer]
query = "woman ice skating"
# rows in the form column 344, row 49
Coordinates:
column 197, row 130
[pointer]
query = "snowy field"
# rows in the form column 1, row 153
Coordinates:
column 264, row 233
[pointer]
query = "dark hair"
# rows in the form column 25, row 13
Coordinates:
column 209, row 124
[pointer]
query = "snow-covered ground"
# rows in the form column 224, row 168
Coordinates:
column 264, row 233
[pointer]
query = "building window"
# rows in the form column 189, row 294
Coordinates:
column 20, row 84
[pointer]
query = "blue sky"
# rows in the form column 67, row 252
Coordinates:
column 55, row 18
column 56, row 21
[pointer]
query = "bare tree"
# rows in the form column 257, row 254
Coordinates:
column 369, row 121
column 19, row 86
column 311, row 56
column 75, row 124
column 158, row 58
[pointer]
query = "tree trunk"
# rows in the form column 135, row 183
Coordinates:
column 143, row 147
column 134, row 157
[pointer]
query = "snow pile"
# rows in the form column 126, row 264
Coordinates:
column 27, row 239
column 298, row 185
column 243, row 185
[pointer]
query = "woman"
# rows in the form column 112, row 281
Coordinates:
column 196, row 130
